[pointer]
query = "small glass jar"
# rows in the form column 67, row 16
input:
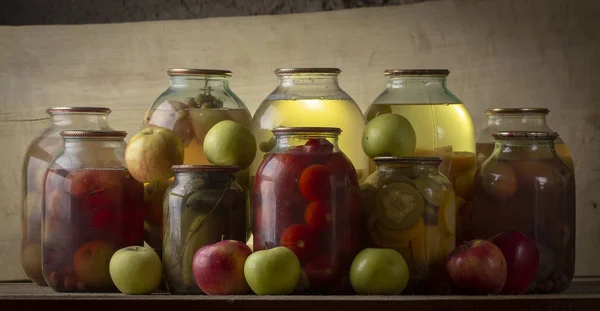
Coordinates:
column 194, row 102
column 306, row 198
column 442, row 125
column 204, row 205
column 407, row 205
column 92, row 208
column 39, row 154
column 524, row 186
column 517, row 119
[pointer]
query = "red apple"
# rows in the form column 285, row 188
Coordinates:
column 477, row 267
column 522, row 260
column 219, row 268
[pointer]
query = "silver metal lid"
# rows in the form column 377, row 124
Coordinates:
column 408, row 160
column 525, row 134
column 317, row 70
column 204, row 168
column 512, row 111
column 198, row 72
column 92, row 134
column 416, row 72
column 300, row 130
column 68, row 110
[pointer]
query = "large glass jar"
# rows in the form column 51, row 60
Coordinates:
column 194, row 102
column 407, row 205
column 306, row 198
column 39, row 153
column 517, row 119
column 524, row 186
column 442, row 125
column 92, row 208
column 204, row 205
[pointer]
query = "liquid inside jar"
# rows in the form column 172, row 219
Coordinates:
column 88, row 215
column 307, row 199
column 484, row 150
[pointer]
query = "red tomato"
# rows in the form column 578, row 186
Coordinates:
column 322, row 271
column 83, row 182
column 318, row 215
column 315, row 182
column 341, row 167
column 301, row 239
column 318, row 145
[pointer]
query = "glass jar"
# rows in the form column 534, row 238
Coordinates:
column 306, row 198
column 195, row 101
column 204, row 205
column 40, row 152
column 524, row 186
column 517, row 119
column 407, row 205
column 92, row 208
column 442, row 125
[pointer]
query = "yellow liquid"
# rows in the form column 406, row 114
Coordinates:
column 312, row 112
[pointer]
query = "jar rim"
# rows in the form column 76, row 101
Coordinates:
column 314, row 70
column 77, row 109
column 198, row 72
column 509, row 111
column 190, row 168
column 279, row 131
column 92, row 134
column 525, row 134
column 416, row 72
column 407, row 160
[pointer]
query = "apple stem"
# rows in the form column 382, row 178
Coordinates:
column 266, row 245
column 222, row 237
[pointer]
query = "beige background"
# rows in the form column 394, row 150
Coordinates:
column 511, row 53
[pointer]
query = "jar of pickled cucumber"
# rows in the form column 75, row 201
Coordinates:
column 407, row 205
column 517, row 119
column 39, row 154
column 524, row 186
column 194, row 102
column 204, row 205
column 92, row 208
column 306, row 198
column 443, row 129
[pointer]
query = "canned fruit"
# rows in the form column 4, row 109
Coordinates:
column 315, row 182
column 318, row 216
column 91, row 264
column 230, row 143
column 425, row 247
column 301, row 239
column 464, row 185
column 447, row 216
column 31, row 259
column 399, row 206
column 462, row 162
column 318, row 145
column 322, row 271
column 432, row 191
column 499, row 180
column 91, row 182
column 387, row 237
column 389, row 134
column 173, row 115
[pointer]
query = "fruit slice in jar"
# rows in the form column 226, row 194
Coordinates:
column 431, row 190
column 387, row 238
column 399, row 206
column 301, row 239
column 425, row 248
column 447, row 215
column 91, row 262
column 315, row 182
column 322, row 271
column 318, row 216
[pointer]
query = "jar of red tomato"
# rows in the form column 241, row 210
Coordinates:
column 92, row 208
column 306, row 198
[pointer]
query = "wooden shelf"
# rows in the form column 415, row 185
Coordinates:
column 583, row 295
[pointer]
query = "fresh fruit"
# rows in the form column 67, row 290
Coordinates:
column 379, row 271
column 274, row 271
column 498, row 180
column 389, row 134
column 91, row 264
column 301, row 239
column 522, row 260
column 315, row 182
column 151, row 153
column 318, row 216
column 219, row 268
column 377, row 109
column 322, row 271
column 477, row 267
column 399, row 206
column 135, row 270
column 230, row 143
column 173, row 115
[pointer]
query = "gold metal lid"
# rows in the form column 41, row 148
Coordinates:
column 198, row 72
column 185, row 168
column 299, row 130
column 67, row 110
column 408, row 160
column 525, row 134
column 508, row 111
column 416, row 72
column 317, row 70
column 93, row 134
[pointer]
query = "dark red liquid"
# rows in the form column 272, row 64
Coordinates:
column 307, row 200
column 88, row 215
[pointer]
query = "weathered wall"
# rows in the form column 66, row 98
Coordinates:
column 512, row 53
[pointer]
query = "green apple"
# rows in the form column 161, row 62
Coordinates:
column 274, row 271
column 230, row 143
column 135, row 270
column 378, row 271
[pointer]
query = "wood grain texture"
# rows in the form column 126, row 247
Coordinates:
column 512, row 53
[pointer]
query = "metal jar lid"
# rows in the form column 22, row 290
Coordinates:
column 68, row 110
column 278, row 131
column 525, row 135
column 512, row 111
column 187, row 168
column 408, row 160
column 198, row 72
column 416, row 72
column 92, row 134
column 317, row 70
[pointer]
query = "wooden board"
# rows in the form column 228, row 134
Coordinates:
column 512, row 53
